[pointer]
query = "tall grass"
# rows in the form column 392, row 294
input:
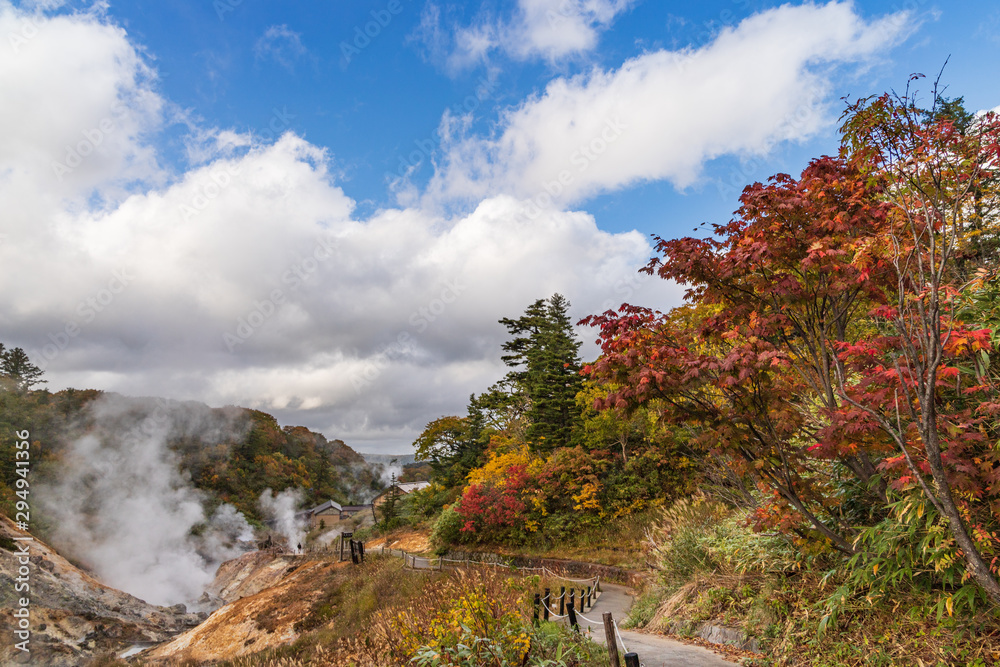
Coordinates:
column 712, row 568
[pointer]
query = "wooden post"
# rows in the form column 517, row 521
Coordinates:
column 361, row 551
column 548, row 603
column 631, row 660
column 537, row 602
column 572, row 598
column 572, row 615
column 590, row 599
column 562, row 600
column 609, row 634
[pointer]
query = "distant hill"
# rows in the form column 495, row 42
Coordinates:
column 232, row 454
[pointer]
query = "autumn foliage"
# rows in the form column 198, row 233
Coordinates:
column 833, row 346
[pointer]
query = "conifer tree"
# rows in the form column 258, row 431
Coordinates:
column 15, row 365
column 544, row 352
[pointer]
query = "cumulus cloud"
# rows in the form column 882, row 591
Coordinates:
column 248, row 277
column 79, row 105
column 662, row 115
column 547, row 29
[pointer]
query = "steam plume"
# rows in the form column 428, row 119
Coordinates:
column 281, row 511
column 120, row 505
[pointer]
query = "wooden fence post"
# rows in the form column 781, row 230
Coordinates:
column 631, row 660
column 590, row 600
column 609, row 634
column 562, row 600
column 572, row 598
column 572, row 615
column 548, row 603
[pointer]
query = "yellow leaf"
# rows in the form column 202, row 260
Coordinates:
column 947, row 604
column 875, row 569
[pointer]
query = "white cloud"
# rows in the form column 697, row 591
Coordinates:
column 554, row 29
column 760, row 83
column 551, row 30
column 78, row 104
column 248, row 278
column 368, row 328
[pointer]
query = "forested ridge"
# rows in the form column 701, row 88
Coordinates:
column 231, row 454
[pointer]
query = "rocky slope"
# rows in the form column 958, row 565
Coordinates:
column 252, row 572
column 73, row 616
column 273, row 595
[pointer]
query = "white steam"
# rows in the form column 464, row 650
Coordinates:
column 120, row 504
column 281, row 513
column 327, row 538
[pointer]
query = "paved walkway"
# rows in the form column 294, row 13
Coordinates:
column 653, row 650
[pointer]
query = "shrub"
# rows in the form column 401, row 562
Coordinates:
column 447, row 529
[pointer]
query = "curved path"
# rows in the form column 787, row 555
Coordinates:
column 653, row 650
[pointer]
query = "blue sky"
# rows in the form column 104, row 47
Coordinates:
column 217, row 60
column 257, row 203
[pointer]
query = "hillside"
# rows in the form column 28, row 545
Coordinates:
column 74, row 617
column 232, row 454
column 151, row 495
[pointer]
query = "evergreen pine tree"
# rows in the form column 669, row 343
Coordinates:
column 544, row 352
column 15, row 365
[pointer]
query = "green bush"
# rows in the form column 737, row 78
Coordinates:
column 447, row 529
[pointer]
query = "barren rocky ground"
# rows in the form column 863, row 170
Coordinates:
column 73, row 616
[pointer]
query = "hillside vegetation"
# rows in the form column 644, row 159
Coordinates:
column 810, row 439
column 231, row 454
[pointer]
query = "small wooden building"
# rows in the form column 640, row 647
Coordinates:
column 328, row 513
